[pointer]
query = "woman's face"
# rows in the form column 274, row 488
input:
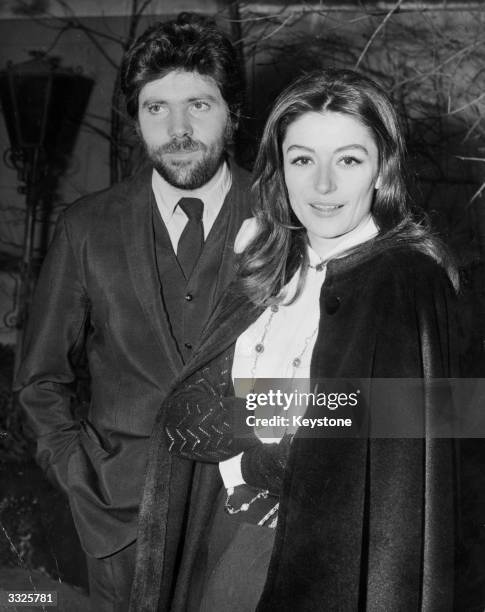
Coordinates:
column 331, row 164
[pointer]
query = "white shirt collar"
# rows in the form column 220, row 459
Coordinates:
column 212, row 193
column 366, row 230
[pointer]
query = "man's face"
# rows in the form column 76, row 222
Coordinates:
column 184, row 124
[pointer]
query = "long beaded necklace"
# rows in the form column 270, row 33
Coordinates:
column 271, row 518
column 259, row 348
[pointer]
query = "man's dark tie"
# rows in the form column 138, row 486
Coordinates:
column 192, row 239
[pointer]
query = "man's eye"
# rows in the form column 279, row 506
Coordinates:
column 200, row 105
column 301, row 161
column 350, row 160
column 156, row 109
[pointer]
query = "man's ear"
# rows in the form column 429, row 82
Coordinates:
column 235, row 118
column 136, row 127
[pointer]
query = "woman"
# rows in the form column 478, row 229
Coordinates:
column 340, row 282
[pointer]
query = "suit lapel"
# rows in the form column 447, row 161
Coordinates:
column 138, row 241
column 236, row 208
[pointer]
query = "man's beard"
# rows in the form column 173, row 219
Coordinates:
column 194, row 174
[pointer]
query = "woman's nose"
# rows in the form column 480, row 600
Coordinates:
column 180, row 125
column 325, row 178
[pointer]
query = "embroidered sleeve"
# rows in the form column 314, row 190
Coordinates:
column 203, row 425
column 203, row 421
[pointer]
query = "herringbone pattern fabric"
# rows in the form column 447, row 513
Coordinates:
column 204, row 431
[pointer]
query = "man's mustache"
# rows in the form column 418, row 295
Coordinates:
column 182, row 145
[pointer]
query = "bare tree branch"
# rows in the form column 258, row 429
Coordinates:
column 376, row 32
column 467, row 105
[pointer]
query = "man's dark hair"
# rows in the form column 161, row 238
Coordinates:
column 191, row 43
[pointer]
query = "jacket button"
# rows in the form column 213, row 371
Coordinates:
column 189, row 297
column 332, row 304
column 188, row 345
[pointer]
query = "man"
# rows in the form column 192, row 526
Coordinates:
column 131, row 277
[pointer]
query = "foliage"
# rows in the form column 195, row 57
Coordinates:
column 13, row 445
column 431, row 62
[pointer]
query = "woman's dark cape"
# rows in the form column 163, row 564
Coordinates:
column 364, row 523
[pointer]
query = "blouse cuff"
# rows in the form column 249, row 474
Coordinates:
column 231, row 473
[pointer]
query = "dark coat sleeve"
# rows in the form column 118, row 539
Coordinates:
column 53, row 343
column 205, row 422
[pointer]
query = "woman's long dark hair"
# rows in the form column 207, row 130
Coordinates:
column 279, row 249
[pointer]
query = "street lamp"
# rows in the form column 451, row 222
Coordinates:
column 43, row 105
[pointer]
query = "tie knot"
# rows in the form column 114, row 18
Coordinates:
column 192, row 207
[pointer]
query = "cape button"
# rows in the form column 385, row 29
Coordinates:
column 332, row 304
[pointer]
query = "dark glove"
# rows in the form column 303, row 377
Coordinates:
column 263, row 466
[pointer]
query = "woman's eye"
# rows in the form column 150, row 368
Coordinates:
column 350, row 160
column 200, row 105
column 301, row 161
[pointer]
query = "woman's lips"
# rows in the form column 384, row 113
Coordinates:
column 326, row 209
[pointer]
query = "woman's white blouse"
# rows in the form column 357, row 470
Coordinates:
column 290, row 333
column 292, row 325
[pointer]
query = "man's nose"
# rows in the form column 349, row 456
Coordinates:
column 325, row 178
column 180, row 125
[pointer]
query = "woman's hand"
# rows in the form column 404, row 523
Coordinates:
column 263, row 466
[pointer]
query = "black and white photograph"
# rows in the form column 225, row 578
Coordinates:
column 242, row 306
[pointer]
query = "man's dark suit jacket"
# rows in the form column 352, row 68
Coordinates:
column 99, row 291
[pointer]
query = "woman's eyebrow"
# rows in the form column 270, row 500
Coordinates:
column 352, row 146
column 338, row 150
column 297, row 146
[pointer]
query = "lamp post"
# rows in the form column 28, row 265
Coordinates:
column 43, row 105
